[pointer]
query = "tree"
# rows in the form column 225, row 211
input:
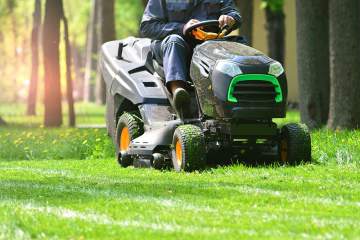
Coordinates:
column 11, row 5
column 313, row 61
column 344, row 64
column 107, row 31
column 246, row 8
column 69, row 81
column 35, row 35
column 51, row 40
column 275, row 25
column 78, row 61
column 91, row 53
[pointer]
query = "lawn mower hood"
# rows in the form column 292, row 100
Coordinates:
column 235, row 81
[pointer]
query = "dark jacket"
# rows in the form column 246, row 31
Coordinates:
column 164, row 17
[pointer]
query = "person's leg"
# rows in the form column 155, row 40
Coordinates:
column 175, row 53
column 175, row 58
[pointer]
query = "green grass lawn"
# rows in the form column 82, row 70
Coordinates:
column 65, row 184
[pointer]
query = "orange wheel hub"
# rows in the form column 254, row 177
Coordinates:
column 124, row 139
column 178, row 151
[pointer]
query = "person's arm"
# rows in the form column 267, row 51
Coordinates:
column 229, row 9
column 154, row 24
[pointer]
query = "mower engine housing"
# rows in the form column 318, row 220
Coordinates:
column 235, row 81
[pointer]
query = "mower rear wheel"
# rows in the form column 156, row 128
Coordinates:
column 128, row 128
column 188, row 152
column 295, row 144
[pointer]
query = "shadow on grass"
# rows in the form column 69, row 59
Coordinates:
column 68, row 191
column 260, row 162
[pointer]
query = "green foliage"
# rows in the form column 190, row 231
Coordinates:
column 128, row 16
column 274, row 5
column 78, row 12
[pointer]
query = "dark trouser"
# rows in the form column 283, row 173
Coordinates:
column 174, row 54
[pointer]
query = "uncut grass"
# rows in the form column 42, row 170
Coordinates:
column 97, row 199
column 24, row 138
column 42, row 143
column 328, row 147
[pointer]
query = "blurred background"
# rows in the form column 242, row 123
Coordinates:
column 22, row 60
column 49, row 52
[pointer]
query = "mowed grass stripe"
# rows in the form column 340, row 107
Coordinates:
column 243, row 190
column 346, row 195
column 95, row 218
column 103, row 219
column 163, row 202
column 73, row 174
column 179, row 205
column 91, row 218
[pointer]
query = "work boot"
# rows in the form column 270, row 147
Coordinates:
column 181, row 99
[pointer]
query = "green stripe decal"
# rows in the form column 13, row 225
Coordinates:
column 255, row 77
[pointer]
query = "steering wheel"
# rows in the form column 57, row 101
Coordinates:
column 196, row 31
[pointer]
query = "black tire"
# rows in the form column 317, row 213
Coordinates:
column 295, row 144
column 190, row 139
column 134, row 126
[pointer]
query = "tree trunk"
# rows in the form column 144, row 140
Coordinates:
column 276, row 33
column 77, row 56
column 107, row 30
column 11, row 5
column 51, row 39
column 344, row 64
column 91, row 54
column 313, row 61
column 246, row 8
column 69, row 80
column 35, row 35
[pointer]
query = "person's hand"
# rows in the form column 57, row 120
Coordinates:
column 190, row 24
column 226, row 20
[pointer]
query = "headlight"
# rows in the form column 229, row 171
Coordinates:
column 228, row 68
column 276, row 69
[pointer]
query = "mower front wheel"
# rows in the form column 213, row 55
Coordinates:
column 188, row 152
column 128, row 128
column 295, row 144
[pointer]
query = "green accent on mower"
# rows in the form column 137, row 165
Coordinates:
column 255, row 77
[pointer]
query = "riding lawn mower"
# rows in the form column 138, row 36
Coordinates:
column 236, row 92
